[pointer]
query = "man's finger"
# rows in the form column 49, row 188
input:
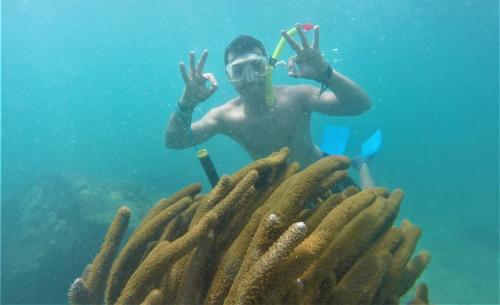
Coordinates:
column 191, row 63
column 291, row 42
column 302, row 36
column 201, row 63
column 184, row 74
column 316, row 38
column 213, row 82
column 211, row 90
column 292, row 66
column 291, row 62
column 211, row 78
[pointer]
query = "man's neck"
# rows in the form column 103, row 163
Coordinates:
column 254, row 103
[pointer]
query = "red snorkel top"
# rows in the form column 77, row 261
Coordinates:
column 308, row 26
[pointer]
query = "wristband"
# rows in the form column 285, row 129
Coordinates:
column 325, row 79
column 328, row 74
column 184, row 113
column 183, row 108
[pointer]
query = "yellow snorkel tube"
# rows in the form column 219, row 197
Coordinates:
column 270, row 98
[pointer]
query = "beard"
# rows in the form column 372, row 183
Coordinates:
column 252, row 88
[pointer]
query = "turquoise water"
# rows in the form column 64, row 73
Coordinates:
column 87, row 87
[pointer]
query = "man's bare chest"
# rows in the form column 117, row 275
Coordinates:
column 278, row 128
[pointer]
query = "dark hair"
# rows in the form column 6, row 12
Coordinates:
column 241, row 45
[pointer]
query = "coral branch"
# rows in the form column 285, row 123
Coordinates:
column 145, row 277
column 254, row 283
column 245, row 242
column 90, row 288
column 131, row 255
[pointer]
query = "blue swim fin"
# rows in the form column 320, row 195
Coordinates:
column 335, row 139
column 372, row 145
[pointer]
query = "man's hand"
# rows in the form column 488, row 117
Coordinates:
column 310, row 62
column 196, row 90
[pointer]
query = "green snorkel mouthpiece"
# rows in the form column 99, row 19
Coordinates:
column 270, row 98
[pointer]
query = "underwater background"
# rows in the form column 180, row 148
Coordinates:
column 88, row 86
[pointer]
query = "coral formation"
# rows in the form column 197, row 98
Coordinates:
column 269, row 234
column 89, row 289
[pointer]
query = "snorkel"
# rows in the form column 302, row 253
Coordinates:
column 273, row 60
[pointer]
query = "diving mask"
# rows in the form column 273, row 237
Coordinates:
column 250, row 68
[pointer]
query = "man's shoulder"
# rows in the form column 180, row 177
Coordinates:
column 297, row 93
column 295, row 88
column 229, row 105
column 222, row 111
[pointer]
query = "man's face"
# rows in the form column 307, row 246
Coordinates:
column 247, row 71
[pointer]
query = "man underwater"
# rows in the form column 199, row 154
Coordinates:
column 248, row 119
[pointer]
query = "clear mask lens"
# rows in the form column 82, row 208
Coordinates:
column 251, row 68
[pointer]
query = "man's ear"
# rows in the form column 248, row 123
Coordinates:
column 225, row 73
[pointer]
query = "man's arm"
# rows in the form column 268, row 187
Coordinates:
column 345, row 97
column 181, row 133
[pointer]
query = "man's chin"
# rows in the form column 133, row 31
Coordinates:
column 251, row 88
